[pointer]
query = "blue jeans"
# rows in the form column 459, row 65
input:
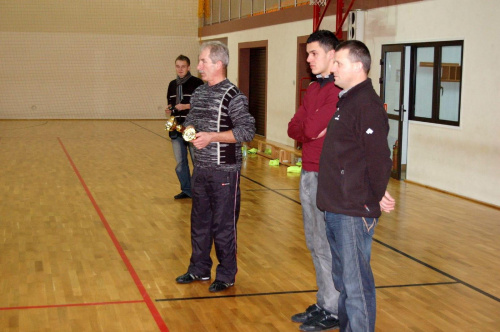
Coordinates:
column 181, row 147
column 317, row 243
column 351, row 244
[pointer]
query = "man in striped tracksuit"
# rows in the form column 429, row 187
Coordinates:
column 219, row 114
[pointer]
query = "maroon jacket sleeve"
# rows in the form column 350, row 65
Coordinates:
column 318, row 119
column 296, row 125
column 312, row 117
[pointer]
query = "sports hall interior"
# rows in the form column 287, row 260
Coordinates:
column 91, row 238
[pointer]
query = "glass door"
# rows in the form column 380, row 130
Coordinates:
column 392, row 94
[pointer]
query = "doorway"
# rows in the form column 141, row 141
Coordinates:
column 394, row 91
column 252, row 81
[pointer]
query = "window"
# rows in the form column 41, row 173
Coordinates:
column 437, row 82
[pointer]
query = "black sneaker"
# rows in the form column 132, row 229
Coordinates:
column 218, row 286
column 310, row 312
column 182, row 195
column 189, row 277
column 324, row 321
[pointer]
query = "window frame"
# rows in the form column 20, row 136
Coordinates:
column 436, row 81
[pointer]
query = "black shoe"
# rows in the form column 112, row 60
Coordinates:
column 310, row 312
column 188, row 278
column 324, row 321
column 218, row 286
column 182, row 195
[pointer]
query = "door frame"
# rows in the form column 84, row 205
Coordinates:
column 402, row 117
column 244, row 70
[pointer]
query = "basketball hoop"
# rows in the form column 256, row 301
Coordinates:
column 317, row 2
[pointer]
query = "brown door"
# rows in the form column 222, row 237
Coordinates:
column 252, row 80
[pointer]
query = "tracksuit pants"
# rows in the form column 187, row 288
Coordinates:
column 215, row 211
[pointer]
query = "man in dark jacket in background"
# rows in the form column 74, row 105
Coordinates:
column 178, row 98
column 354, row 170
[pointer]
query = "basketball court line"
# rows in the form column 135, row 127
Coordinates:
column 474, row 288
column 70, row 305
column 235, row 295
column 146, row 298
column 296, row 292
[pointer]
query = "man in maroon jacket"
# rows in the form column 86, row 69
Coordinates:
column 308, row 127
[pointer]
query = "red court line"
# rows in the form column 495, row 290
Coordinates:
column 138, row 283
column 69, row 305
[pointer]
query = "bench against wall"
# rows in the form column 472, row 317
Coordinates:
column 287, row 155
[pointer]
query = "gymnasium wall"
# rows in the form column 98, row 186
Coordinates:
column 463, row 160
column 99, row 59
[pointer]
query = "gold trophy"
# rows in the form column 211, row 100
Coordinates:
column 180, row 128
column 171, row 124
column 189, row 134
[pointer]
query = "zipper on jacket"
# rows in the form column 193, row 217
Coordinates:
column 342, row 183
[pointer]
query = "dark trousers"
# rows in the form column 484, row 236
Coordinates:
column 215, row 211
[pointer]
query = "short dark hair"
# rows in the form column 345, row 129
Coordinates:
column 183, row 58
column 358, row 52
column 325, row 38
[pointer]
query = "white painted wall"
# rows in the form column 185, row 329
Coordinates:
column 97, row 59
column 282, row 61
column 464, row 160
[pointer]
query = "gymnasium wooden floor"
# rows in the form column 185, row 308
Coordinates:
column 91, row 240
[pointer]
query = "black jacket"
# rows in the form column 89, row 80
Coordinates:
column 355, row 163
column 187, row 90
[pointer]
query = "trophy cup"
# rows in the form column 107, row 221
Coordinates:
column 180, row 128
column 189, row 134
column 171, row 124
